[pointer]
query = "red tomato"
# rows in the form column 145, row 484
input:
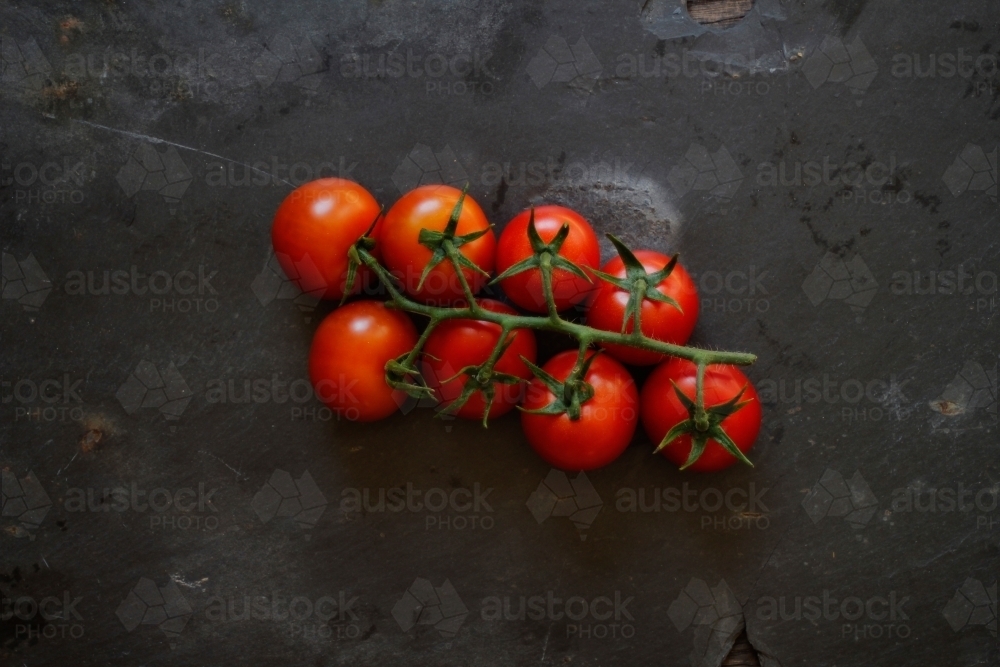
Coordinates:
column 581, row 247
column 455, row 344
column 348, row 357
column 430, row 207
column 662, row 410
column 313, row 229
column 607, row 420
column 660, row 321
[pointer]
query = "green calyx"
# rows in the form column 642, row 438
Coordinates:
column 639, row 284
column 570, row 394
column 444, row 245
column 540, row 249
column 366, row 243
column 704, row 424
column 484, row 378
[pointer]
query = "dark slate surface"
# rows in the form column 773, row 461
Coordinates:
column 814, row 187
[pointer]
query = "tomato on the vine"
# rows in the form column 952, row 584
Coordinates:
column 662, row 410
column 607, row 419
column 660, row 320
column 314, row 228
column 430, row 207
column 460, row 343
column 581, row 247
column 348, row 356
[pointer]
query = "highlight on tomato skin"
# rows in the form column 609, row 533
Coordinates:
column 430, row 207
column 348, row 356
column 660, row 321
column 662, row 410
column 580, row 247
column 313, row 229
column 459, row 343
column 607, row 421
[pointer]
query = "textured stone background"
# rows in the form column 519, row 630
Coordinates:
column 817, row 165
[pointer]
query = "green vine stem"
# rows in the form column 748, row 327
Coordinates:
column 403, row 373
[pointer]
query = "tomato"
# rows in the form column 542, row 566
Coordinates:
column 660, row 321
column 348, row 356
column 456, row 344
column 581, row 247
column 313, row 229
column 662, row 410
column 607, row 420
column 430, row 207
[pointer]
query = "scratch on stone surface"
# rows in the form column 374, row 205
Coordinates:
column 239, row 474
column 157, row 140
column 67, row 464
column 545, row 645
column 176, row 578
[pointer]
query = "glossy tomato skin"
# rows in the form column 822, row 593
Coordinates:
column 660, row 321
column 430, row 207
column 455, row 344
column 581, row 247
column 348, row 356
column 313, row 229
column 661, row 410
column 607, row 421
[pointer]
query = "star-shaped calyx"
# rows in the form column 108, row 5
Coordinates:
column 638, row 283
column 704, row 424
column 444, row 245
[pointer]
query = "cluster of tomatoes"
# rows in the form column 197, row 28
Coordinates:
column 316, row 233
